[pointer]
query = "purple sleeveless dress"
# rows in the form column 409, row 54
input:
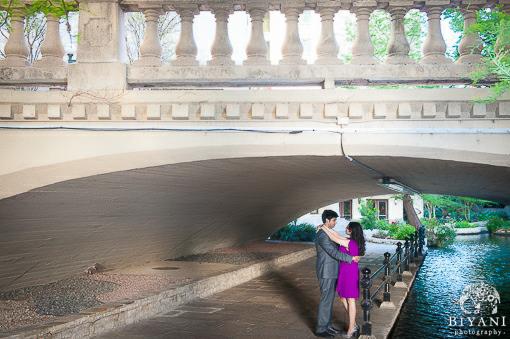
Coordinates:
column 348, row 274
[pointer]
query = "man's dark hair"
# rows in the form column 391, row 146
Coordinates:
column 328, row 214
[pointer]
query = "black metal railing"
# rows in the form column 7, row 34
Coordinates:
column 392, row 267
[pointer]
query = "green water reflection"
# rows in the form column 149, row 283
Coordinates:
column 443, row 276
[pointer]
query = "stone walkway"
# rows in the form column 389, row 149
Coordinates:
column 281, row 304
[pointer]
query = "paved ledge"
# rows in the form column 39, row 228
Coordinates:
column 472, row 230
column 107, row 317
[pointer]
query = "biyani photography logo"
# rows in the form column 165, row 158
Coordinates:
column 479, row 305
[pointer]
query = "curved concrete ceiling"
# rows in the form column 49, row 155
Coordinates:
column 122, row 218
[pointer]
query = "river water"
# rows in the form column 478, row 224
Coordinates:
column 431, row 305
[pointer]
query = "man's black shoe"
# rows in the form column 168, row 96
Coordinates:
column 334, row 329
column 325, row 334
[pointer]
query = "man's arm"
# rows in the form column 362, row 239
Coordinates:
column 328, row 247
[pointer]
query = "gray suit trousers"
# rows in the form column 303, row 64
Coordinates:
column 325, row 311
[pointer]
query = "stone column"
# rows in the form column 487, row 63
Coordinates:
column 327, row 49
column 434, row 47
column 292, row 49
column 150, row 49
column 16, row 50
column 470, row 47
column 101, row 53
column 186, row 49
column 362, row 49
column 257, row 47
column 398, row 48
column 221, row 49
column 51, row 49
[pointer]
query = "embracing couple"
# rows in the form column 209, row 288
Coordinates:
column 337, row 269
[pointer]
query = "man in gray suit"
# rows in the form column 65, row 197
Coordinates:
column 328, row 257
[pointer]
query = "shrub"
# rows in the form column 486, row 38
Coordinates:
column 401, row 231
column 441, row 235
column 430, row 223
column 487, row 215
column 382, row 224
column 292, row 232
column 368, row 214
column 496, row 223
column 463, row 224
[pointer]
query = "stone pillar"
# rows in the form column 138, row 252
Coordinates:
column 186, row 49
column 221, row 49
column 51, row 49
column 470, row 47
column 257, row 47
column 327, row 49
column 150, row 49
column 503, row 41
column 362, row 49
column 398, row 47
column 16, row 51
column 434, row 47
column 292, row 49
column 101, row 53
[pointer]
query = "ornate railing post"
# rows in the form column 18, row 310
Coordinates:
column 400, row 282
column 16, row 50
column 221, row 50
column 150, row 49
column 51, row 49
column 406, row 258
column 398, row 47
column 186, row 49
column 415, row 247
column 362, row 48
column 470, row 47
column 434, row 47
column 292, row 49
column 387, row 303
column 411, row 251
column 421, row 240
column 366, row 304
column 256, row 50
column 327, row 49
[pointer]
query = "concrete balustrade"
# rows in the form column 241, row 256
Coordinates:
column 101, row 50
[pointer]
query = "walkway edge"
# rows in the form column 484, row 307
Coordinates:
column 118, row 316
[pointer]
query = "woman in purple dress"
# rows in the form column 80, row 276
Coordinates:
column 348, row 273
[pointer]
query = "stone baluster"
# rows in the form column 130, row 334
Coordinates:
column 150, row 49
column 16, row 51
column 221, row 49
column 470, row 47
column 398, row 47
column 292, row 49
column 256, row 50
column 502, row 44
column 434, row 47
column 186, row 49
column 327, row 49
column 362, row 49
column 51, row 49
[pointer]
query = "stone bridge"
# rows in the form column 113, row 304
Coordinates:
column 117, row 164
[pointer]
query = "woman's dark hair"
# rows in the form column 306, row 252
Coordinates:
column 357, row 235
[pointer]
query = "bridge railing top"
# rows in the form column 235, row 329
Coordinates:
column 101, row 53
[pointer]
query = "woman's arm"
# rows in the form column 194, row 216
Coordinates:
column 333, row 235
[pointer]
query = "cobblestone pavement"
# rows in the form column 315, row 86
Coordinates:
column 281, row 304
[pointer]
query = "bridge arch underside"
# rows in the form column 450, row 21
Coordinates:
column 167, row 211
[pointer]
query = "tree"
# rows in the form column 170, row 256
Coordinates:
column 35, row 21
column 168, row 25
column 493, row 27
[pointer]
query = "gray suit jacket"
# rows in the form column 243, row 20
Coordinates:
column 328, row 256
